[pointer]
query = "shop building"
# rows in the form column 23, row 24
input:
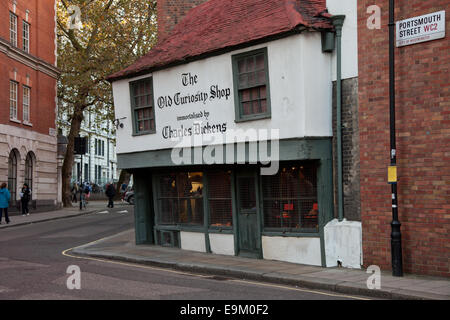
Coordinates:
column 28, row 73
column 227, row 127
column 422, row 82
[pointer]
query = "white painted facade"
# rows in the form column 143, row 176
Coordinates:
column 222, row 244
column 300, row 80
column 343, row 243
column 292, row 249
column 300, row 89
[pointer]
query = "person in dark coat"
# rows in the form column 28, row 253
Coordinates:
column 5, row 196
column 25, row 195
column 110, row 193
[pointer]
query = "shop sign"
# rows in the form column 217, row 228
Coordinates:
column 421, row 29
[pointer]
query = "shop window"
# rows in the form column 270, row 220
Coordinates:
column 290, row 199
column 251, row 85
column 180, row 199
column 219, row 199
column 142, row 106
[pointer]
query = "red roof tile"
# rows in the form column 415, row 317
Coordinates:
column 218, row 25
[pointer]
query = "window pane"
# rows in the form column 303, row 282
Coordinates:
column 247, row 193
column 263, row 106
column 243, row 81
column 180, row 198
column 260, row 62
column 261, row 76
column 247, row 108
column 290, row 198
column 250, row 61
column 241, row 65
column 219, row 198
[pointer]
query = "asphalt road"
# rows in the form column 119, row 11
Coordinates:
column 32, row 267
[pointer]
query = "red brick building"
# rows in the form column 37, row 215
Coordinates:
column 423, row 141
column 28, row 144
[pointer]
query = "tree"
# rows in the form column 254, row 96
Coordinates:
column 95, row 39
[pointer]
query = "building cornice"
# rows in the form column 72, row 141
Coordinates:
column 28, row 59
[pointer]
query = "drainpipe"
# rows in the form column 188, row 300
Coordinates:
column 338, row 22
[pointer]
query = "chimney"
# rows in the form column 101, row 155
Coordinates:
column 170, row 12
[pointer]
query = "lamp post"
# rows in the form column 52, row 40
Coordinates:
column 396, row 237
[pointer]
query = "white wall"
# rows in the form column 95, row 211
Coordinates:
column 222, row 243
column 343, row 242
column 292, row 249
column 349, row 37
column 193, row 241
column 300, row 88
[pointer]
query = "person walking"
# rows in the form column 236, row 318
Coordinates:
column 74, row 192
column 5, row 196
column 25, row 195
column 110, row 193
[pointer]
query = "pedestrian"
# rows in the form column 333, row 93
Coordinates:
column 110, row 193
column 5, row 196
column 25, row 195
column 74, row 192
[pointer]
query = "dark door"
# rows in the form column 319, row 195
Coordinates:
column 248, row 212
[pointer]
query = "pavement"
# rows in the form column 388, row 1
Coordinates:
column 121, row 247
column 38, row 217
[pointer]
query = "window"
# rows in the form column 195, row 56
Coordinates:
column 219, row 199
column 13, row 29
column 142, row 106
column 29, row 170
column 13, row 87
column 26, row 37
column 251, row 85
column 180, row 198
column 99, row 147
column 26, row 104
column 290, row 199
column 12, row 174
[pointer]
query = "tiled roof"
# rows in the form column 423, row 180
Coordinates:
column 218, row 25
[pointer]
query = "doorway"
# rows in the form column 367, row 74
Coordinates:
column 249, row 231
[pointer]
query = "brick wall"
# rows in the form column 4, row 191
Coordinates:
column 170, row 12
column 350, row 150
column 423, row 142
column 41, row 17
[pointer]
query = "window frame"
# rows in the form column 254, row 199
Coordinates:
column 13, row 85
column 26, row 89
column 289, row 231
column 13, row 36
column 239, row 117
column 136, row 132
column 157, row 197
column 26, row 39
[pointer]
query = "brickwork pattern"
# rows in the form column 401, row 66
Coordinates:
column 350, row 150
column 170, row 12
column 423, row 142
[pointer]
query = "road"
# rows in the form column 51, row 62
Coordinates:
column 33, row 267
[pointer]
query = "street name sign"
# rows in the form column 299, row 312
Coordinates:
column 421, row 29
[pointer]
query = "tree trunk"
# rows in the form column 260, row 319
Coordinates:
column 69, row 157
column 124, row 177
